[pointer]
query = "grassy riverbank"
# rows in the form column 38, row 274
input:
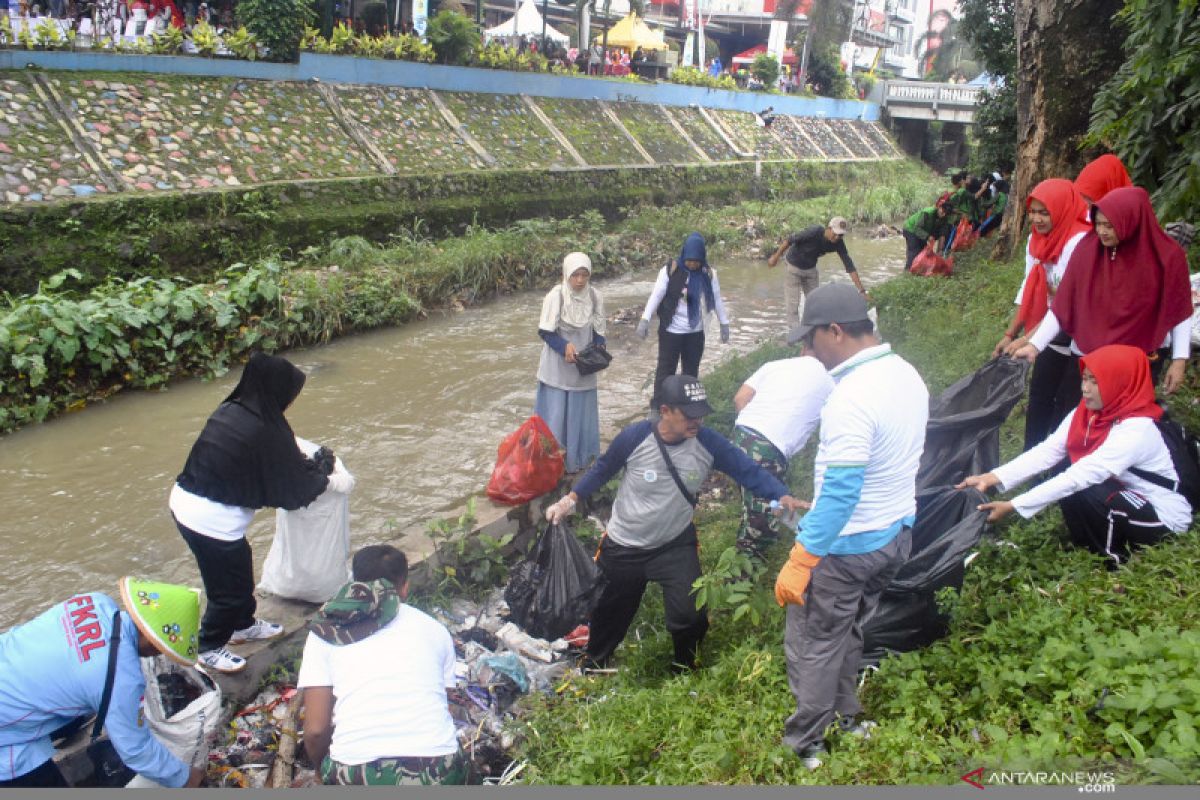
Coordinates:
column 1052, row 663
column 63, row 347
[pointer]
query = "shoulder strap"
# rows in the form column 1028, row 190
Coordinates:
column 662, row 448
column 114, row 644
column 1156, row 479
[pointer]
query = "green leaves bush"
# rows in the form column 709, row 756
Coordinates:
column 278, row 25
column 453, row 36
column 1148, row 113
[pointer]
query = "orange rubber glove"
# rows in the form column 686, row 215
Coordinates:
column 794, row 577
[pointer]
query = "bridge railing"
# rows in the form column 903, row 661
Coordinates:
column 933, row 94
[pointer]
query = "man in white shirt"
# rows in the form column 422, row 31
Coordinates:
column 857, row 535
column 778, row 408
column 375, row 673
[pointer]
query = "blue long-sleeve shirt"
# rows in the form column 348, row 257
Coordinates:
column 649, row 509
column 52, row 671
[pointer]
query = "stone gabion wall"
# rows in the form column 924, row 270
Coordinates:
column 65, row 136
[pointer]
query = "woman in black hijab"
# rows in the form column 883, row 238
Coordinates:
column 246, row 458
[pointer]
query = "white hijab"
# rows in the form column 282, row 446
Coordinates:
column 564, row 304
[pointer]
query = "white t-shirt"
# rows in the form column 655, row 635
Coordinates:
column 679, row 322
column 389, row 689
column 875, row 417
column 788, row 396
column 207, row 517
column 1133, row 442
column 1054, row 273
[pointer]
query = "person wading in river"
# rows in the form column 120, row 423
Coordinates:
column 803, row 250
column 246, row 458
column 685, row 289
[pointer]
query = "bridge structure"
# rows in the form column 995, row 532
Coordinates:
column 920, row 100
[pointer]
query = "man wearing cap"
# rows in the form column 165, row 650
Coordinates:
column 651, row 536
column 803, row 249
column 857, row 535
column 54, row 668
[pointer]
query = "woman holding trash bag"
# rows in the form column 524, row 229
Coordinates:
column 686, row 288
column 1058, row 218
column 572, row 320
column 246, row 458
column 1112, row 494
column 929, row 227
column 1128, row 284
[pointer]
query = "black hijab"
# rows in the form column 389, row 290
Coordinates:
column 247, row 454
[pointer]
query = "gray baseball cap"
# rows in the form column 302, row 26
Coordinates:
column 839, row 225
column 833, row 302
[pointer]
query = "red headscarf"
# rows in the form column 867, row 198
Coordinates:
column 1101, row 176
column 1123, row 377
column 1129, row 294
column 1068, row 216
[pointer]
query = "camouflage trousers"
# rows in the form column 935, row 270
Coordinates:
column 759, row 529
column 413, row 771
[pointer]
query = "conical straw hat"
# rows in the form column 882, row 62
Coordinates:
column 166, row 614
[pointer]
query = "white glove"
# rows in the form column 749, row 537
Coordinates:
column 560, row 510
column 643, row 328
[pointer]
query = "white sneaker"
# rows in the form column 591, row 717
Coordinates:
column 222, row 660
column 261, row 629
column 856, row 728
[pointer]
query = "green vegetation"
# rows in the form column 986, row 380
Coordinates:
column 453, row 36
column 765, row 67
column 1149, row 111
column 276, row 24
column 1051, row 663
column 67, row 344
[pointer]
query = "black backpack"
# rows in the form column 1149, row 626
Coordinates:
column 1185, row 456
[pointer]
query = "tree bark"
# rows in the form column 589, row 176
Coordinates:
column 1065, row 50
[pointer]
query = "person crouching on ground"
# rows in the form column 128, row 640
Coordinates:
column 651, row 535
column 928, row 227
column 1117, row 492
column 54, row 671
column 685, row 289
column 375, row 673
column 572, row 318
column 858, row 534
column 778, row 408
column 246, row 458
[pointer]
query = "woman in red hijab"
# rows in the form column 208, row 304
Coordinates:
column 1100, row 177
column 1111, row 491
column 1058, row 221
column 1128, row 284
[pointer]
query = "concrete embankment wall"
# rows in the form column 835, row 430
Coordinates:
column 141, row 173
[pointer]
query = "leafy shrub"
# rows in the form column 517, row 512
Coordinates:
column 453, row 36
column 242, row 43
column 278, row 24
column 766, row 69
column 690, row 76
column 167, row 42
column 205, row 39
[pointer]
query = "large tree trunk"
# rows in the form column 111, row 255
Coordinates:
column 1065, row 50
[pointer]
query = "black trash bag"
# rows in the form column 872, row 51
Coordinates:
column 963, row 434
column 592, row 358
column 948, row 526
column 556, row 588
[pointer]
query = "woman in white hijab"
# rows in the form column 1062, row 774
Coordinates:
column 572, row 318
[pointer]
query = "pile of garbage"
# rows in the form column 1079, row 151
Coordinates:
column 498, row 664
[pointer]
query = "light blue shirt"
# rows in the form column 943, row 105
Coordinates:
column 52, row 670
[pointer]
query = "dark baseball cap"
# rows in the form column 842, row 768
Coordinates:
column 686, row 393
column 833, row 302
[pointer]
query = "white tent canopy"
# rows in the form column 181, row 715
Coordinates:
column 526, row 22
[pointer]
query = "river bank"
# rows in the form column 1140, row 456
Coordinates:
column 1051, row 662
column 64, row 347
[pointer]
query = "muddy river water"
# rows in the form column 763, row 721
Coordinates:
column 415, row 412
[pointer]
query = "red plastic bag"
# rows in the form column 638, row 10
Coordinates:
column 966, row 237
column 529, row 463
column 930, row 263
